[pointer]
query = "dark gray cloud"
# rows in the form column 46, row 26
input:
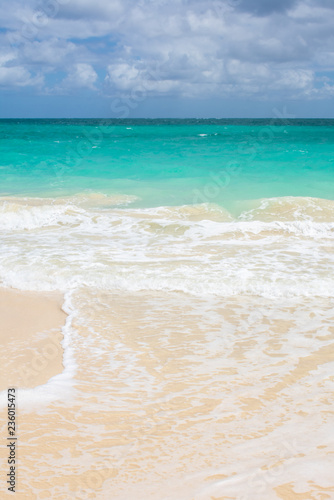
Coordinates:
column 328, row 4
column 265, row 7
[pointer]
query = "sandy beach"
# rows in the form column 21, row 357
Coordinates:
column 30, row 336
column 197, row 397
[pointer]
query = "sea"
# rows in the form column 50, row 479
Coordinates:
column 195, row 258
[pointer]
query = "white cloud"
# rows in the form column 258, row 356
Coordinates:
column 262, row 48
column 52, row 53
column 17, row 76
column 81, row 76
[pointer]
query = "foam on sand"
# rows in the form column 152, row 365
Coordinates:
column 36, row 353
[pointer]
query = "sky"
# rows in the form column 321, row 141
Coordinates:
column 166, row 58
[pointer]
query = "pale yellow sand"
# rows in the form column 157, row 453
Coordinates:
column 30, row 336
column 177, row 398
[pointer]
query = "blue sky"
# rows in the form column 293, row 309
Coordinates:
column 166, row 58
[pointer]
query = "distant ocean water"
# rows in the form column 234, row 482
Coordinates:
column 196, row 258
column 168, row 162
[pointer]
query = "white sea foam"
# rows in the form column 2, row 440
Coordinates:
column 198, row 250
column 60, row 386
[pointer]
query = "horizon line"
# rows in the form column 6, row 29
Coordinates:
column 166, row 118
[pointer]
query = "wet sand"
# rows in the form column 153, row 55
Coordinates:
column 182, row 398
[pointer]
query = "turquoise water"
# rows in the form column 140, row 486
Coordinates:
column 168, row 162
column 195, row 263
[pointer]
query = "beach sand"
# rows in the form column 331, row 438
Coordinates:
column 30, row 336
column 171, row 396
column 183, row 398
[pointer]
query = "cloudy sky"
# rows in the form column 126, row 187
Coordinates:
column 163, row 58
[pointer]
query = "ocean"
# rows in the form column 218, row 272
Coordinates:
column 195, row 258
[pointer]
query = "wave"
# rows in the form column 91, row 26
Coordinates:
column 290, row 208
column 71, row 243
column 31, row 213
column 271, row 216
